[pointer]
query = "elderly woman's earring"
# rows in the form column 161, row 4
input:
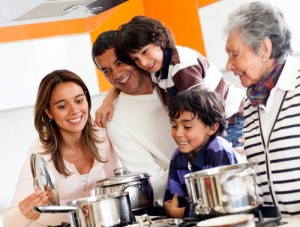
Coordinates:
column 263, row 60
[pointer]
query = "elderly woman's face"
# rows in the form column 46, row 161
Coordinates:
column 243, row 61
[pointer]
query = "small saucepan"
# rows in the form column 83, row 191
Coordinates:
column 112, row 209
column 104, row 210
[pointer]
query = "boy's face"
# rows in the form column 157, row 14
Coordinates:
column 126, row 78
column 190, row 133
column 149, row 58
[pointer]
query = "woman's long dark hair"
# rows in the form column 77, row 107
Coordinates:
column 48, row 131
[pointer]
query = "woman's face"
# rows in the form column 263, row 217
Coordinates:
column 68, row 107
column 149, row 58
column 243, row 61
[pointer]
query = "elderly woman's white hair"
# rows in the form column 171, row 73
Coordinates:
column 258, row 20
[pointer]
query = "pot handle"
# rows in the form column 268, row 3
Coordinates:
column 133, row 183
column 55, row 209
column 144, row 217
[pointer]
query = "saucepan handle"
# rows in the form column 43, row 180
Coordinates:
column 130, row 184
column 55, row 209
column 145, row 217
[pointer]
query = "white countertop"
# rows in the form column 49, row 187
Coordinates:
column 291, row 222
column 285, row 222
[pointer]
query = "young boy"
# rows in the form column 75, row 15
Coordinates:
column 147, row 43
column 198, row 119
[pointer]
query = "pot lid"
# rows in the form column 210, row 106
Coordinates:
column 43, row 178
column 92, row 199
column 121, row 175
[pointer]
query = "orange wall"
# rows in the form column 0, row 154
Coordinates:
column 121, row 14
column 202, row 3
column 180, row 16
column 183, row 22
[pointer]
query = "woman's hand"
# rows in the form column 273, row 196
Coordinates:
column 38, row 198
column 172, row 208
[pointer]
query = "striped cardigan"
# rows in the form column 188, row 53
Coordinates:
column 278, row 156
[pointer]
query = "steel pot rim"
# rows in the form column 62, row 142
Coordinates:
column 219, row 170
column 93, row 199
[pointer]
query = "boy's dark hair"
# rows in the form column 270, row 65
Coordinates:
column 138, row 33
column 203, row 104
column 106, row 40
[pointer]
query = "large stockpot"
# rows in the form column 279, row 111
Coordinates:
column 138, row 186
column 223, row 190
column 112, row 209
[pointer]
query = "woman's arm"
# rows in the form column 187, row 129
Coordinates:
column 21, row 211
column 105, row 111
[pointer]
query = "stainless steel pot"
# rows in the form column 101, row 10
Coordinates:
column 221, row 190
column 112, row 209
column 137, row 185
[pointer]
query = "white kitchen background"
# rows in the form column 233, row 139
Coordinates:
column 24, row 63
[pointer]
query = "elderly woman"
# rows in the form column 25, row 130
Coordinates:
column 258, row 47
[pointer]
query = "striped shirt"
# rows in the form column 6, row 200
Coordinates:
column 272, row 139
column 184, row 68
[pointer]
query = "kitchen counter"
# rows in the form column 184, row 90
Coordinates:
column 285, row 222
column 290, row 222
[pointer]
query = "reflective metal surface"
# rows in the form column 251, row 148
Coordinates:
column 138, row 186
column 43, row 178
column 223, row 190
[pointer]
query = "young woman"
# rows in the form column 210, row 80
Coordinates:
column 76, row 151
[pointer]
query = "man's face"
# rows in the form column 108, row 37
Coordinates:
column 126, row 78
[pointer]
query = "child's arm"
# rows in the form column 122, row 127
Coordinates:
column 172, row 208
column 106, row 110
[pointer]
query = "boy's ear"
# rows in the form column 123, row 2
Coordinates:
column 213, row 128
column 161, row 39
